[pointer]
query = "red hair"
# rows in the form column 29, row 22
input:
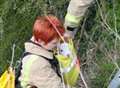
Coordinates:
column 44, row 30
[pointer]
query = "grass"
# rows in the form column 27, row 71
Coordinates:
column 98, row 41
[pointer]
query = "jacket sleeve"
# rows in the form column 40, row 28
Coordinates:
column 75, row 11
column 43, row 76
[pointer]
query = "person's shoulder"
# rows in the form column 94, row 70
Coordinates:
column 30, row 57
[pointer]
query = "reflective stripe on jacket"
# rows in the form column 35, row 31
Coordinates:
column 69, row 63
column 75, row 11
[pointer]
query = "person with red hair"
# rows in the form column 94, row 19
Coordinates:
column 37, row 70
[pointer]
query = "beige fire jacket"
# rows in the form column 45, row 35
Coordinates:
column 37, row 70
column 75, row 11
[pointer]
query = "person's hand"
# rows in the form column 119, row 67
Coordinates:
column 69, row 34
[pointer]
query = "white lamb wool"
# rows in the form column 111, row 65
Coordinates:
column 64, row 49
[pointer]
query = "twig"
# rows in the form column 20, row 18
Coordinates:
column 13, row 51
column 82, row 77
column 105, row 23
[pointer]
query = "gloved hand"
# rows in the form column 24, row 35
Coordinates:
column 70, row 32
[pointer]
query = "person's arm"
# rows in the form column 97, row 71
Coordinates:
column 76, row 10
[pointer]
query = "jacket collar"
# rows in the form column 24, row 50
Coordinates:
column 38, row 50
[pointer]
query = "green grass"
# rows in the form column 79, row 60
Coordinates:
column 99, row 45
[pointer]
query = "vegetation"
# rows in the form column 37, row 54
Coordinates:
column 98, row 41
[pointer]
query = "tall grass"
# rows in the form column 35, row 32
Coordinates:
column 98, row 41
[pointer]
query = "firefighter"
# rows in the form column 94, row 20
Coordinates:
column 38, row 67
column 76, row 10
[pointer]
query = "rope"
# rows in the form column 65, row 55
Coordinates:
column 56, row 29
